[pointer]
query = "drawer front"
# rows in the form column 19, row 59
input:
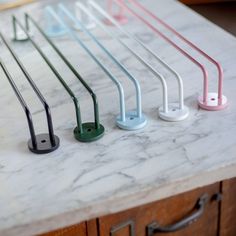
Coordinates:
column 167, row 212
column 228, row 208
column 75, row 230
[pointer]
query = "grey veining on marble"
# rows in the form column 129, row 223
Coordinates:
column 124, row 169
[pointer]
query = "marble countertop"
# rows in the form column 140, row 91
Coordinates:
column 124, row 169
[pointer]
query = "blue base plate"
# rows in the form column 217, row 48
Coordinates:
column 132, row 122
column 56, row 31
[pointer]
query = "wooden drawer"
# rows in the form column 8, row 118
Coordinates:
column 134, row 222
column 228, row 208
column 75, row 230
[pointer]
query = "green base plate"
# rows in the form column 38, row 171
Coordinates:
column 90, row 133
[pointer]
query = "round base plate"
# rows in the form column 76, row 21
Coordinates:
column 88, row 26
column 44, row 144
column 56, row 31
column 21, row 36
column 174, row 113
column 120, row 18
column 212, row 103
column 90, row 133
column 132, row 122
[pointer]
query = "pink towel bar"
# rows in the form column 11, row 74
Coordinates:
column 209, row 101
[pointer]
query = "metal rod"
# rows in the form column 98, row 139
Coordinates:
column 209, row 101
column 122, row 67
column 36, row 90
column 209, row 58
column 78, row 76
column 23, row 103
column 140, row 59
column 54, row 70
column 205, row 73
column 53, row 29
column 104, row 68
column 129, row 35
column 38, row 144
column 85, row 132
column 119, row 16
column 86, row 20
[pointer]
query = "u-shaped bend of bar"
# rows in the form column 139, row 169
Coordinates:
column 209, row 58
column 135, row 119
column 169, row 112
column 41, row 143
column 84, row 132
column 122, row 116
column 209, row 101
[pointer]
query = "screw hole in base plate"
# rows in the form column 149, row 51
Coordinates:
column 90, row 133
column 44, row 144
column 132, row 121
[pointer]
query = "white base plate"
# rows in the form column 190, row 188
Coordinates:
column 174, row 113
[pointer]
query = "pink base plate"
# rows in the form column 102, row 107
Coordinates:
column 212, row 103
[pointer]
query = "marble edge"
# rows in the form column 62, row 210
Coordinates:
column 106, row 207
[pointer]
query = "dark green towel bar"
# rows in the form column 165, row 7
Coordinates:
column 84, row 132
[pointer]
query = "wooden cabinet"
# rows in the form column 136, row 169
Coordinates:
column 166, row 212
column 214, row 208
column 75, row 230
column 228, row 208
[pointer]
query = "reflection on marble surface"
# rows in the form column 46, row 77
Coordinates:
column 124, row 169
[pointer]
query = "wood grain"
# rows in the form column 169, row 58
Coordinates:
column 74, row 230
column 228, row 208
column 92, row 228
column 167, row 212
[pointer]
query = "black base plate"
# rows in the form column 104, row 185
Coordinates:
column 44, row 144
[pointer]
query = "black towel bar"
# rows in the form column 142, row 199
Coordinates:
column 41, row 143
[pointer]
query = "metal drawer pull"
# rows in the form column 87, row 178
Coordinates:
column 99, row 62
column 154, row 227
column 117, row 228
column 41, row 143
column 209, row 101
column 169, row 112
column 134, row 119
column 84, row 132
